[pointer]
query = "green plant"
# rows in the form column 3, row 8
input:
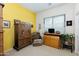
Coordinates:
column 67, row 37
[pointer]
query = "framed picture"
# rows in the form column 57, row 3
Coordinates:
column 6, row 24
column 39, row 26
column 69, row 23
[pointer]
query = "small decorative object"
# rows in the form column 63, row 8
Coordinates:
column 58, row 32
column 66, row 42
column 69, row 23
column 39, row 26
column 6, row 24
column 32, row 25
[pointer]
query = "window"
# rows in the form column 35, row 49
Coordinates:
column 57, row 22
column 48, row 24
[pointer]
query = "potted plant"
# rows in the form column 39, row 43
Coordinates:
column 67, row 39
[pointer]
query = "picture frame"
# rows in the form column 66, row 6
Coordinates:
column 39, row 26
column 6, row 24
column 69, row 23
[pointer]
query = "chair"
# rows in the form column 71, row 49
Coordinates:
column 36, row 39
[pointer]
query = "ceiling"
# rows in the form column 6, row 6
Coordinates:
column 37, row 7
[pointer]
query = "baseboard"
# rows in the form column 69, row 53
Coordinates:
column 6, row 51
column 78, row 53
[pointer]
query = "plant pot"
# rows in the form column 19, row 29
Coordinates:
column 66, row 42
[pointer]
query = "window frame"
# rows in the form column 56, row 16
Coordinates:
column 52, row 21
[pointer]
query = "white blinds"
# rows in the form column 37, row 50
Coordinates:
column 48, row 24
column 58, row 23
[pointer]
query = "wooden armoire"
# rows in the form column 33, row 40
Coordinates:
column 22, row 34
column 1, row 30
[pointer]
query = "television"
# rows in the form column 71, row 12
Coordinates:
column 51, row 30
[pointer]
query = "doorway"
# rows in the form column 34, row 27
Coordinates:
column 77, row 34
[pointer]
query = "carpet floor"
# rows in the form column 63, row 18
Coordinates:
column 40, row 51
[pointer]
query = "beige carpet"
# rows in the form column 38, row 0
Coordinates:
column 40, row 51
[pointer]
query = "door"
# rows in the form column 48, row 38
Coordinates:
column 77, row 34
column 1, row 29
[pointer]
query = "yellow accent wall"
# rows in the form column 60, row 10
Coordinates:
column 13, row 11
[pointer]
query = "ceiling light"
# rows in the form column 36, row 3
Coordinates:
column 49, row 4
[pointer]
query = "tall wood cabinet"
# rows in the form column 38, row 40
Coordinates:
column 1, row 30
column 22, row 34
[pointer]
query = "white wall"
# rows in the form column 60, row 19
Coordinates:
column 72, row 13
column 67, row 9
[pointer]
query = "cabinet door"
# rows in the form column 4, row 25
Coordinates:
column 47, row 40
column 54, row 41
column 1, row 43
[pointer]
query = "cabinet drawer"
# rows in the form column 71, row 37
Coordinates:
column 23, row 44
column 1, row 43
column 1, row 49
column 23, row 41
column 1, row 36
